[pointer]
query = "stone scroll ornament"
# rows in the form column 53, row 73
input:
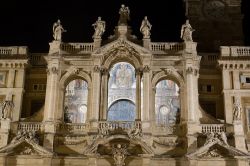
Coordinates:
column 58, row 30
column 6, row 109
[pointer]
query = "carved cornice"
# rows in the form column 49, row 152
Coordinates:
column 234, row 66
column 192, row 70
column 21, row 64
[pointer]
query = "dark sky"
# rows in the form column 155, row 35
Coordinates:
column 30, row 23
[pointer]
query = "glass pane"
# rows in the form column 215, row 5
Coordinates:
column 167, row 103
column 122, row 88
column 75, row 102
column 122, row 110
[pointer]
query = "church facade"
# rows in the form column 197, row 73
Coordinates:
column 129, row 101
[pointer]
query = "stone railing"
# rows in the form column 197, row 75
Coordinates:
column 73, row 127
column 30, row 126
column 235, row 51
column 215, row 128
column 157, row 47
column 14, row 50
column 165, row 129
column 119, row 125
column 209, row 59
column 79, row 48
column 37, row 59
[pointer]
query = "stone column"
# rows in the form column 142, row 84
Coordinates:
column 4, row 131
column 11, row 78
column 236, row 79
column 95, row 97
column 239, row 137
column 51, row 93
column 146, row 43
column 104, row 94
column 146, row 99
column 138, row 94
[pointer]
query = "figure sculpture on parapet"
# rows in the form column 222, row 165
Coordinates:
column 124, row 15
column 145, row 28
column 186, row 31
column 58, row 30
column 237, row 110
column 99, row 27
column 7, row 109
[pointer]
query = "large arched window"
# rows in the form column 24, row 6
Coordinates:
column 167, row 103
column 75, row 101
column 121, row 92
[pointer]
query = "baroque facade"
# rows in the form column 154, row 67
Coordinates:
column 126, row 101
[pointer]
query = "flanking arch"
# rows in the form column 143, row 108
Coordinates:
column 168, row 108
column 70, row 75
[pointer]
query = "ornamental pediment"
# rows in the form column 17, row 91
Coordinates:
column 122, row 46
column 25, row 143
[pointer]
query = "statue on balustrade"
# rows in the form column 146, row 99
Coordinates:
column 7, row 109
column 237, row 110
column 99, row 27
column 124, row 15
column 145, row 28
column 186, row 31
column 58, row 30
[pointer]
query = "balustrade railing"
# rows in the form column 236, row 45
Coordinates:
column 73, row 127
column 235, row 51
column 13, row 50
column 215, row 128
column 159, row 47
column 37, row 59
column 80, row 48
column 30, row 126
column 119, row 125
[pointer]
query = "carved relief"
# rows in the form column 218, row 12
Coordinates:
column 119, row 154
column 52, row 70
column 6, row 109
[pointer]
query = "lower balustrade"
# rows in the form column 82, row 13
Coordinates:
column 30, row 126
column 73, row 127
column 119, row 125
column 213, row 128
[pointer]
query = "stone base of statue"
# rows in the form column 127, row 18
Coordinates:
column 97, row 42
column 122, row 31
column 190, row 47
column 239, row 138
column 55, row 47
column 146, row 42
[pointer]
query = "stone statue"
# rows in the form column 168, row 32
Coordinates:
column 124, row 15
column 7, row 109
column 186, row 32
column 237, row 110
column 99, row 27
column 223, row 138
column 119, row 154
column 58, row 30
column 145, row 28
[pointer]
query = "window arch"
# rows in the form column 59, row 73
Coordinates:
column 121, row 92
column 167, row 103
column 76, row 101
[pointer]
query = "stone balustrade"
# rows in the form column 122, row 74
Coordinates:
column 157, row 47
column 73, row 127
column 79, row 48
column 215, row 128
column 209, row 59
column 14, row 50
column 30, row 126
column 235, row 51
column 37, row 59
column 119, row 125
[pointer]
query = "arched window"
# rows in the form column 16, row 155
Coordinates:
column 122, row 110
column 75, row 101
column 167, row 103
column 121, row 92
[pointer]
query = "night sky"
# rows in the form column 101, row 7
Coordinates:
column 30, row 23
